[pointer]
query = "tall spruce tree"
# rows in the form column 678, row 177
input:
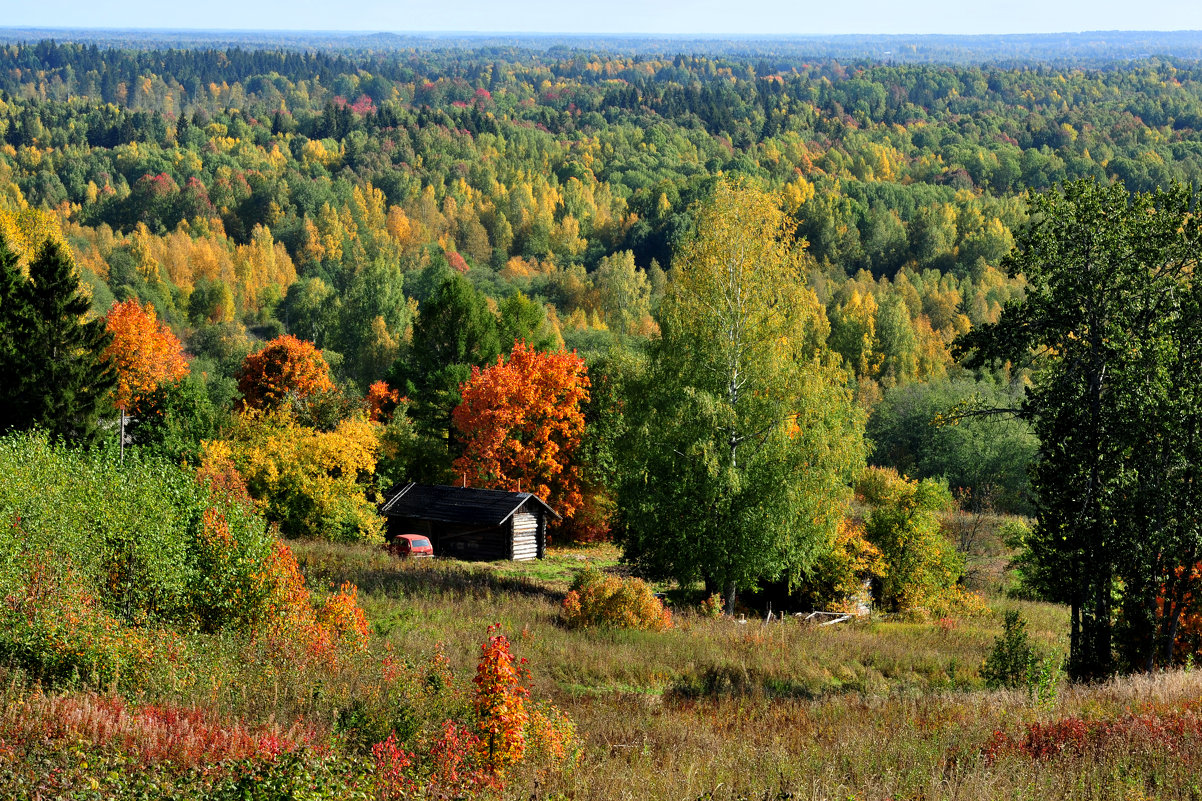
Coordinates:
column 15, row 328
column 52, row 375
column 455, row 331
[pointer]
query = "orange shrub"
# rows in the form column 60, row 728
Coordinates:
column 835, row 580
column 712, row 606
column 598, row 600
column 551, row 737
column 297, row 629
column 344, row 619
column 500, row 703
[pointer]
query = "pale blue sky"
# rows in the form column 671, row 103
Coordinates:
column 730, row 17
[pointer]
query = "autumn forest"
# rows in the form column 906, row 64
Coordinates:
column 909, row 344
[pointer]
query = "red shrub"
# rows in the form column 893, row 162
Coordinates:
column 500, row 702
column 1150, row 731
column 186, row 737
column 393, row 764
column 456, row 760
column 456, row 261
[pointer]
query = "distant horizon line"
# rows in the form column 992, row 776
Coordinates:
column 603, row 34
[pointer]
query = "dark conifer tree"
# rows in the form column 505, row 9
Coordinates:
column 52, row 376
column 455, row 331
column 15, row 329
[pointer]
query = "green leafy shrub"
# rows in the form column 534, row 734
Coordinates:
column 922, row 568
column 104, row 565
column 596, row 600
column 146, row 539
column 1012, row 655
column 1015, row 663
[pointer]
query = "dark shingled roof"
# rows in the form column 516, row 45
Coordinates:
column 463, row 505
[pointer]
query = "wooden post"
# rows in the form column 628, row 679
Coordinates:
column 122, row 436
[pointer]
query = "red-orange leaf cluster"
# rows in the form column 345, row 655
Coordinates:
column 521, row 422
column 501, row 695
column 144, row 353
column 286, row 367
column 382, row 401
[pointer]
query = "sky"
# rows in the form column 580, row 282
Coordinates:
column 727, row 17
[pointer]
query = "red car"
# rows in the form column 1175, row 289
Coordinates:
column 406, row 545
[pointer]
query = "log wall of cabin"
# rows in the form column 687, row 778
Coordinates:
column 525, row 536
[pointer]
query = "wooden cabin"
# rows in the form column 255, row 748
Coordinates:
column 470, row 523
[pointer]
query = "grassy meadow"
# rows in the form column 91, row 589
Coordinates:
column 718, row 708
column 212, row 661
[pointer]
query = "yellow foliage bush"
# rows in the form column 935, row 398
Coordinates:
column 598, row 600
column 312, row 483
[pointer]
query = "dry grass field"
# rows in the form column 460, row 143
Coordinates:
column 720, row 709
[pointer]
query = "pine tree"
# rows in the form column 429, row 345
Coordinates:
column 53, row 375
column 15, row 327
column 455, row 331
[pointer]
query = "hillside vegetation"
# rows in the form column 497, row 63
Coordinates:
column 910, row 346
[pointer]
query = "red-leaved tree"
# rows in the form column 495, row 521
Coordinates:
column 501, row 695
column 521, row 422
column 381, row 402
column 286, row 367
column 144, row 353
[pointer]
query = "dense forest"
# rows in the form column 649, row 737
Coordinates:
column 367, row 232
column 335, row 195
column 1094, row 48
column 899, row 330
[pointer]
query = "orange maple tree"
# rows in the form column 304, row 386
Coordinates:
column 144, row 353
column 381, row 402
column 521, row 421
column 285, row 367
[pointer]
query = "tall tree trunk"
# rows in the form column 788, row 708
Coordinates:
column 1074, row 640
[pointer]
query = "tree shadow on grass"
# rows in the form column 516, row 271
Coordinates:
column 432, row 579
